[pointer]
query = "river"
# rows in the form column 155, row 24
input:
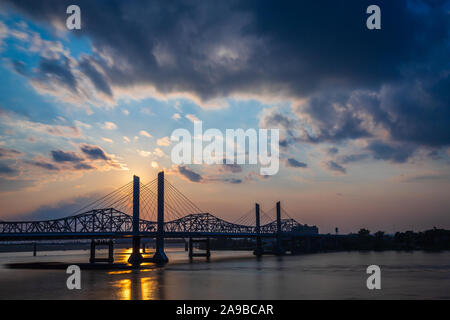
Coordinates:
column 236, row 275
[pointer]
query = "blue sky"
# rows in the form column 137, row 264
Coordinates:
column 364, row 117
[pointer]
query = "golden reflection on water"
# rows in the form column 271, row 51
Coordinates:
column 137, row 285
column 149, row 288
column 143, row 284
column 123, row 255
column 120, row 272
column 124, row 287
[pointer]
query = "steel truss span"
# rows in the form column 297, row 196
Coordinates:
column 112, row 221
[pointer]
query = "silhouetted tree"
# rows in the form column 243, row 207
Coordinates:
column 379, row 235
column 379, row 240
column 362, row 233
column 364, row 240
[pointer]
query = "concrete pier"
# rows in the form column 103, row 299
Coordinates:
column 95, row 243
column 192, row 254
column 34, row 249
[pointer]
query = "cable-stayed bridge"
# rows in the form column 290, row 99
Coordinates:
column 154, row 210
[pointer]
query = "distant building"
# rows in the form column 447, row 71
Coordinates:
column 305, row 229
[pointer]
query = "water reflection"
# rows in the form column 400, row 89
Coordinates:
column 140, row 285
column 120, row 272
column 124, row 287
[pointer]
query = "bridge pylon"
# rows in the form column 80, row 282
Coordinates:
column 279, row 246
column 136, row 257
column 160, row 255
column 258, row 250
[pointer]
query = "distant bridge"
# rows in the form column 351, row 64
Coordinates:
column 130, row 211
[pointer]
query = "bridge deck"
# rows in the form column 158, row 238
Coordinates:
column 169, row 235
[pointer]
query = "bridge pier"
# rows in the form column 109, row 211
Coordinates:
column 308, row 245
column 293, row 244
column 258, row 250
column 160, row 255
column 192, row 254
column 136, row 258
column 94, row 244
column 34, row 249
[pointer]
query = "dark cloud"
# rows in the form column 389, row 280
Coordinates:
column 395, row 153
column 189, row 174
column 9, row 153
column 287, row 125
column 284, row 143
column 233, row 167
column 418, row 111
column 79, row 162
column 83, row 166
column 43, row 164
column 334, row 119
column 396, row 78
column 354, row 157
column 414, row 113
column 332, row 151
column 334, row 166
column 291, row 162
column 7, row 170
column 65, row 156
column 50, row 70
column 59, row 70
column 69, row 161
column 20, row 67
column 95, row 76
column 219, row 48
column 435, row 155
column 94, row 152
column 276, row 120
column 233, row 180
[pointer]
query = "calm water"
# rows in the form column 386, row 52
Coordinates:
column 237, row 275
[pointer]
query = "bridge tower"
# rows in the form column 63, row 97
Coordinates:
column 258, row 250
column 160, row 256
column 136, row 258
column 279, row 247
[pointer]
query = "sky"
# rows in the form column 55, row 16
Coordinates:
column 364, row 115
